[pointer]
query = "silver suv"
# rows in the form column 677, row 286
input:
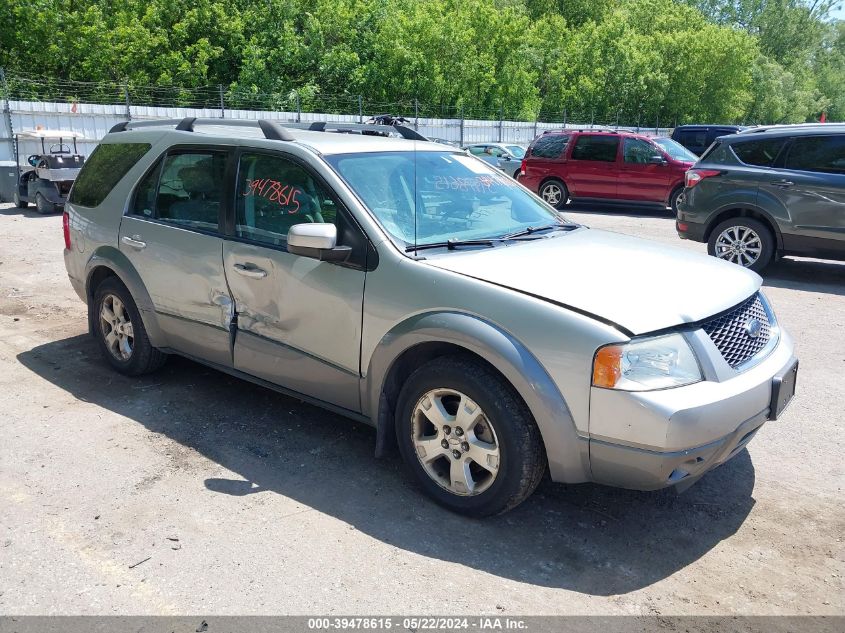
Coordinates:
column 415, row 288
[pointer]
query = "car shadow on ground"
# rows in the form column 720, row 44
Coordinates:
column 29, row 212
column 806, row 274
column 610, row 208
column 586, row 538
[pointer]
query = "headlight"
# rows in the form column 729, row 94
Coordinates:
column 642, row 364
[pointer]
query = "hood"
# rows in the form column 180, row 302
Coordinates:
column 637, row 284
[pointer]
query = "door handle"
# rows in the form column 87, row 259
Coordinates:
column 134, row 242
column 783, row 184
column 250, row 271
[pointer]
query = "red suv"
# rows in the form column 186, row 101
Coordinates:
column 563, row 165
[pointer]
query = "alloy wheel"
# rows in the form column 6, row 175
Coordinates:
column 739, row 245
column 455, row 442
column 116, row 327
column 552, row 194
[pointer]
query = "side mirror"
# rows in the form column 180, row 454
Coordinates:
column 317, row 241
column 505, row 157
column 656, row 160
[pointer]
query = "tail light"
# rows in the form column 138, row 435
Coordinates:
column 66, row 229
column 695, row 176
column 522, row 168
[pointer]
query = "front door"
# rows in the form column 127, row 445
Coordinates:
column 592, row 169
column 811, row 186
column 298, row 319
column 171, row 235
column 640, row 179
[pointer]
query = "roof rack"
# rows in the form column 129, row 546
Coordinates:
column 273, row 129
column 598, row 128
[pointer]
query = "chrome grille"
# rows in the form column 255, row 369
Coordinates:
column 730, row 331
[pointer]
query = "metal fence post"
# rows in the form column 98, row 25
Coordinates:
column 126, row 95
column 535, row 125
column 222, row 103
column 657, row 124
column 298, row 107
column 360, row 109
column 564, row 118
column 416, row 114
column 7, row 113
column 501, row 122
column 462, row 126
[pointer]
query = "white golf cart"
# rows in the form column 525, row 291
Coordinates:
column 46, row 178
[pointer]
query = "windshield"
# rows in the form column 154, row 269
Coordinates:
column 516, row 151
column 675, row 150
column 431, row 197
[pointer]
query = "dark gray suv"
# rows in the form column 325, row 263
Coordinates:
column 758, row 195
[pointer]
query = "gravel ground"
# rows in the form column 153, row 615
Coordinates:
column 192, row 492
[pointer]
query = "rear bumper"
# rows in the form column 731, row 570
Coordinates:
column 690, row 230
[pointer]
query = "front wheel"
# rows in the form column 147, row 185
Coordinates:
column 467, row 437
column 554, row 193
column 20, row 204
column 744, row 241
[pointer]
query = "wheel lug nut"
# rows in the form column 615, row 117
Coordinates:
column 447, row 429
column 459, row 431
column 444, row 444
column 464, row 446
column 456, row 454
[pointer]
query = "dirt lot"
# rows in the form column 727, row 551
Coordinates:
column 242, row 501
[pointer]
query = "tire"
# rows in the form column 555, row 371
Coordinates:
column 131, row 354
column 555, row 193
column 673, row 200
column 743, row 241
column 20, row 204
column 43, row 206
column 504, row 437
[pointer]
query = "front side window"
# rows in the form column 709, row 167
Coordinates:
column 596, row 147
column 818, row 153
column 430, row 197
column 638, row 151
column 550, row 146
column 108, row 163
column 761, row 153
column 516, row 151
column 275, row 193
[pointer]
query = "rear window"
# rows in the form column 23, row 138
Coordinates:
column 818, row 153
column 761, row 153
column 601, row 148
column 550, row 146
column 105, row 167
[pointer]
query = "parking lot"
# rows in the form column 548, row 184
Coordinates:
column 189, row 491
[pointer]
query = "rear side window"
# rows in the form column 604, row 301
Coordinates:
column 107, row 164
column 601, row 148
column 818, row 153
column 693, row 138
column 184, row 188
column 550, row 146
column 761, row 153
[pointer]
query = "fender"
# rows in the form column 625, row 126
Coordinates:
column 751, row 204
column 567, row 451
column 111, row 258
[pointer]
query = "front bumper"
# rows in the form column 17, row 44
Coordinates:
column 654, row 439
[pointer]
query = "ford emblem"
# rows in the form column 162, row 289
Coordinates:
column 753, row 328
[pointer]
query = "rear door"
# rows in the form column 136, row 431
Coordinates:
column 593, row 166
column 641, row 180
column 298, row 319
column 811, row 187
column 172, row 236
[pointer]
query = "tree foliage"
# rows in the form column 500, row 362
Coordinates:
column 605, row 60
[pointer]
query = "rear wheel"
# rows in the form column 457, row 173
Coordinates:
column 120, row 331
column 20, row 204
column 744, row 241
column 43, row 205
column 554, row 192
column 468, row 439
column 673, row 200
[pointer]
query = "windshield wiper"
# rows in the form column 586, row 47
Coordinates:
column 450, row 244
column 536, row 229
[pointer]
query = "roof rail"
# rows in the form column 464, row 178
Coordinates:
column 272, row 129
